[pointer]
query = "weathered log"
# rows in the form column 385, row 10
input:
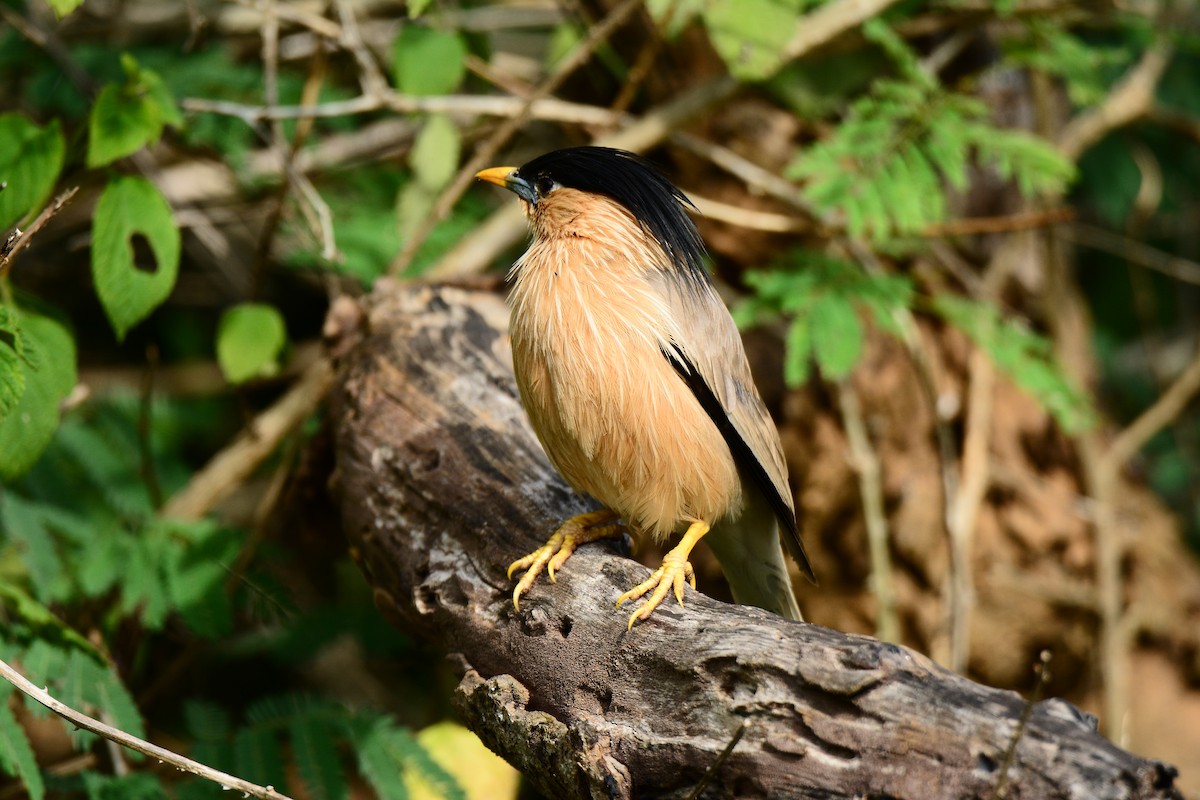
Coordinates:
column 442, row 484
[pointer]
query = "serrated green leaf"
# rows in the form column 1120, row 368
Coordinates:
column 131, row 207
column 750, row 35
column 250, row 338
column 837, row 335
column 28, row 428
column 436, row 151
column 31, row 158
column 129, row 116
column 16, row 754
column 427, row 61
column 64, row 7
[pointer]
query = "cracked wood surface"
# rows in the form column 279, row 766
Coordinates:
column 442, row 483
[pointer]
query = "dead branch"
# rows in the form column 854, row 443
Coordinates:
column 442, row 483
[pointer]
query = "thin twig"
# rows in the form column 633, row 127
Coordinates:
column 550, row 108
column 870, row 483
column 722, row 757
column 1169, row 405
column 1130, row 100
column 1007, row 223
column 964, row 508
column 487, row 151
column 1042, row 670
column 19, row 239
column 1143, row 255
column 229, row 468
column 81, row 720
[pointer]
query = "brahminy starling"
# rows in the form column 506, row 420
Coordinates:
column 636, row 381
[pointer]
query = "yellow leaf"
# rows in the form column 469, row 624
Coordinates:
column 482, row 774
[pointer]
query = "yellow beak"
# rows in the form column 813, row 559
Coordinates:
column 496, row 175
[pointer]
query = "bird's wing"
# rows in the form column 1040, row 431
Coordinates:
column 705, row 349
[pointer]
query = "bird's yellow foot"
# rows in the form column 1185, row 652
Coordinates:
column 577, row 530
column 674, row 571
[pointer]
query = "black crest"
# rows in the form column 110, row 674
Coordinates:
column 656, row 203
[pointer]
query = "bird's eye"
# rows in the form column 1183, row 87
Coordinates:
column 544, row 185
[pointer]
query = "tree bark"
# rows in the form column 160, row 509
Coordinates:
column 442, row 484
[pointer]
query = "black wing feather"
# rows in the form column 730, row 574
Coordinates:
column 743, row 455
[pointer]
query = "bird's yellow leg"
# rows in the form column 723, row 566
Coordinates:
column 577, row 530
column 674, row 571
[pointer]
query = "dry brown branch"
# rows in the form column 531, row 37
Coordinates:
column 16, row 242
column 870, row 483
column 550, row 109
column 1143, row 255
column 964, row 506
column 442, row 483
column 229, row 468
column 1130, row 100
column 111, row 734
column 1169, row 405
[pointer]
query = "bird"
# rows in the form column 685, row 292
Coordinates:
column 635, row 380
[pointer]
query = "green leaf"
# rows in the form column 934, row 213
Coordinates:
column 129, row 116
column 436, row 151
column 131, row 207
column 417, row 7
column 837, row 335
column 64, row 7
column 28, row 428
column 16, row 755
column 30, row 160
column 750, row 35
column 13, row 349
column 798, row 351
column 250, row 338
column 428, row 62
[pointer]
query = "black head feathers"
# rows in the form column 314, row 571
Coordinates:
column 656, row 203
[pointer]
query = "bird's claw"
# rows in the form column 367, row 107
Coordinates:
column 671, row 576
column 554, row 553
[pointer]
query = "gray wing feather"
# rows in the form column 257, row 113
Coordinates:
column 706, row 350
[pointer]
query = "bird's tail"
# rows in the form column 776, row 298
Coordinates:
column 752, row 559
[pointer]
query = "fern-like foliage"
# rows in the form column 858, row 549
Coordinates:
column 885, row 169
column 16, row 754
column 823, row 297
column 1082, row 66
column 1023, row 355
